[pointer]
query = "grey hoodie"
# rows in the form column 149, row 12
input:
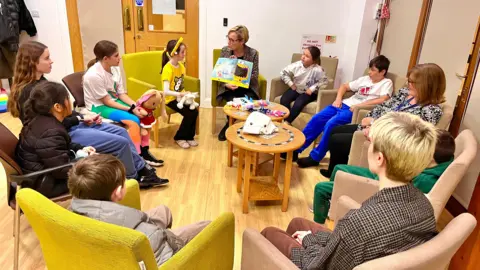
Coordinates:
column 163, row 242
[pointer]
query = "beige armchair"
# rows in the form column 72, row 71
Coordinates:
column 360, row 188
column 279, row 87
column 358, row 150
column 259, row 253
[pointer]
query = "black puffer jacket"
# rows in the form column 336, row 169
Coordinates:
column 44, row 143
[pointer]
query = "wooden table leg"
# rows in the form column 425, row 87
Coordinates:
column 286, row 182
column 246, row 180
column 241, row 160
column 230, row 154
column 230, row 145
column 276, row 167
column 256, row 157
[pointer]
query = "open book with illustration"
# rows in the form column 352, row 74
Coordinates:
column 233, row 71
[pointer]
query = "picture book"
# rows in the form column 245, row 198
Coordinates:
column 233, row 71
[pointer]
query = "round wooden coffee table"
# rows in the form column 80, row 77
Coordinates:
column 264, row 188
column 235, row 114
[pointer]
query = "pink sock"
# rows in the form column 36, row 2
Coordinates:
column 145, row 140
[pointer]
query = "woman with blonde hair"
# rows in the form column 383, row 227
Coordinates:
column 237, row 38
column 33, row 61
column 422, row 97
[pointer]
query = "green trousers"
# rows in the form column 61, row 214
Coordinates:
column 323, row 190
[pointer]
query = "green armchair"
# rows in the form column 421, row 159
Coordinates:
column 142, row 72
column 262, row 90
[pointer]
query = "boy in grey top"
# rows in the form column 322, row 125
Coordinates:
column 97, row 184
column 305, row 78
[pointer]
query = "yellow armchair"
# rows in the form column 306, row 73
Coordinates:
column 142, row 72
column 71, row 241
column 262, row 82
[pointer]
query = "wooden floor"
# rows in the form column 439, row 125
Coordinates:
column 201, row 188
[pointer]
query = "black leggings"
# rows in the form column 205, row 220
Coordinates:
column 300, row 101
column 189, row 122
column 339, row 145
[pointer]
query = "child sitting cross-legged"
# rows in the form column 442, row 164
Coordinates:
column 97, row 184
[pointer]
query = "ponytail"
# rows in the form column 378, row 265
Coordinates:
column 91, row 63
column 165, row 60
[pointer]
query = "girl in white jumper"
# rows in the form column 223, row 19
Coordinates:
column 304, row 78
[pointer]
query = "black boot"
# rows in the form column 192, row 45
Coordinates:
column 325, row 173
column 221, row 135
column 307, row 162
column 147, row 178
column 149, row 158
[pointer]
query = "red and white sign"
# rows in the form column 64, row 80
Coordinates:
column 313, row 40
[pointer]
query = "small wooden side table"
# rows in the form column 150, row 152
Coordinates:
column 235, row 114
column 264, row 188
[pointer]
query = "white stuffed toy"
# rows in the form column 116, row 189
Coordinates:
column 260, row 124
column 188, row 99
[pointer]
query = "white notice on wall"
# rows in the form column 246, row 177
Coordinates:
column 164, row 7
column 312, row 40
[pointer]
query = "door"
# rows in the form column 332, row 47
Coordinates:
column 145, row 29
column 448, row 40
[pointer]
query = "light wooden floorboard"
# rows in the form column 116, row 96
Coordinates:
column 201, row 188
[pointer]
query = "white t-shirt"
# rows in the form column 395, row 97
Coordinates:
column 365, row 90
column 98, row 83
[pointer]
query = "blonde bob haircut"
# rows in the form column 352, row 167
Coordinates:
column 241, row 31
column 406, row 142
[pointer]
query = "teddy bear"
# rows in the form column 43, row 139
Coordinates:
column 188, row 99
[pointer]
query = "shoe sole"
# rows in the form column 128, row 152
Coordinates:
column 154, row 164
column 145, row 186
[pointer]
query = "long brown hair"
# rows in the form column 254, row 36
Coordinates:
column 103, row 48
column 429, row 80
column 25, row 72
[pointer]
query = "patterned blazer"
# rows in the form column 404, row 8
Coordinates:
column 393, row 220
column 430, row 112
column 250, row 55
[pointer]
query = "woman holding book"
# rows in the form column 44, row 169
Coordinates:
column 237, row 48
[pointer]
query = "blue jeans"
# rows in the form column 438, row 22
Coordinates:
column 324, row 121
column 110, row 139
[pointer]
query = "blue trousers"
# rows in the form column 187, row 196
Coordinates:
column 110, row 139
column 324, row 121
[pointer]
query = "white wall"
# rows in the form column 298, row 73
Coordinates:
column 400, row 34
column 110, row 28
column 464, row 190
column 52, row 27
column 276, row 28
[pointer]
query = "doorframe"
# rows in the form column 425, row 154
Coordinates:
column 75, row 36
column 420, row 34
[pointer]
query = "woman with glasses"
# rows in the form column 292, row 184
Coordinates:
column 422, row 97
column 237, row 38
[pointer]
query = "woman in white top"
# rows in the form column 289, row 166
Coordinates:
column 304, row 77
